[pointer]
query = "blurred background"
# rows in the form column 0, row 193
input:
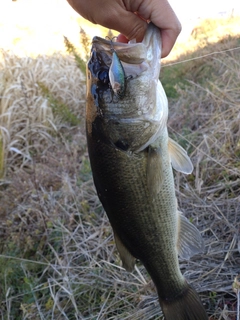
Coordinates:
column 191, row 13
column 37, row 27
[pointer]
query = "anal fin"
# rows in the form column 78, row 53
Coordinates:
column 179, row 158
column 190, row 241
column 128, row 261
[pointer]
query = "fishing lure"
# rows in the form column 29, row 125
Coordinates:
column 117, row 75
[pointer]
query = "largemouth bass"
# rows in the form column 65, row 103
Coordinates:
column 131, row 158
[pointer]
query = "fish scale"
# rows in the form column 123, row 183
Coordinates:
column 131, row 158
column 119, row 196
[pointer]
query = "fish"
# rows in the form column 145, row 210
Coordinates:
column 132, row 160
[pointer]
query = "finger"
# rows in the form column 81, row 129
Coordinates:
column 162, row 15
column 122, row 38
column 127, row 23
column 168, row 40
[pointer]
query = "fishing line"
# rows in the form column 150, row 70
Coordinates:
column 197, row 58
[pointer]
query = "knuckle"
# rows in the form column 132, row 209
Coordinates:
column 178, row 28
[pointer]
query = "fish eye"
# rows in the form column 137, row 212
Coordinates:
column 103, row 76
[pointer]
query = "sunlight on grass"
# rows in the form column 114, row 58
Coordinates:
column 38, row 27
column 33, row 27
column 206, row 32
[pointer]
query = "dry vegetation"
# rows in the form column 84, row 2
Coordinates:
column 58, row 258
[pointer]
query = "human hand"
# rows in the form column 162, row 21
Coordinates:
column 129, row 17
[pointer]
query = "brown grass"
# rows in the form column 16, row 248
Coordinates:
column 58, row 258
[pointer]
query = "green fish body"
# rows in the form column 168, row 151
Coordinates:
column 131, row 158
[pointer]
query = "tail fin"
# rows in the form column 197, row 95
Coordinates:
column 188, row 306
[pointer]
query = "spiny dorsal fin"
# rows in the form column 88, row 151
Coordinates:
column 179, row 158
column 128, row 260
column 154, row 170
column 190, row 241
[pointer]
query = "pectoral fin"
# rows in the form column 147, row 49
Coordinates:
column 190, row 241
column 179, row 158
column 128, row 260
column 154, row 170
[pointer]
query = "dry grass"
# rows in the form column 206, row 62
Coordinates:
column 26, row 116
column 58, row 258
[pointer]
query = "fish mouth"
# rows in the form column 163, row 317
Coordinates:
column 132, row 57
column 132, row 52
column 127, row 52
column 135, row 57
column 139, row 115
